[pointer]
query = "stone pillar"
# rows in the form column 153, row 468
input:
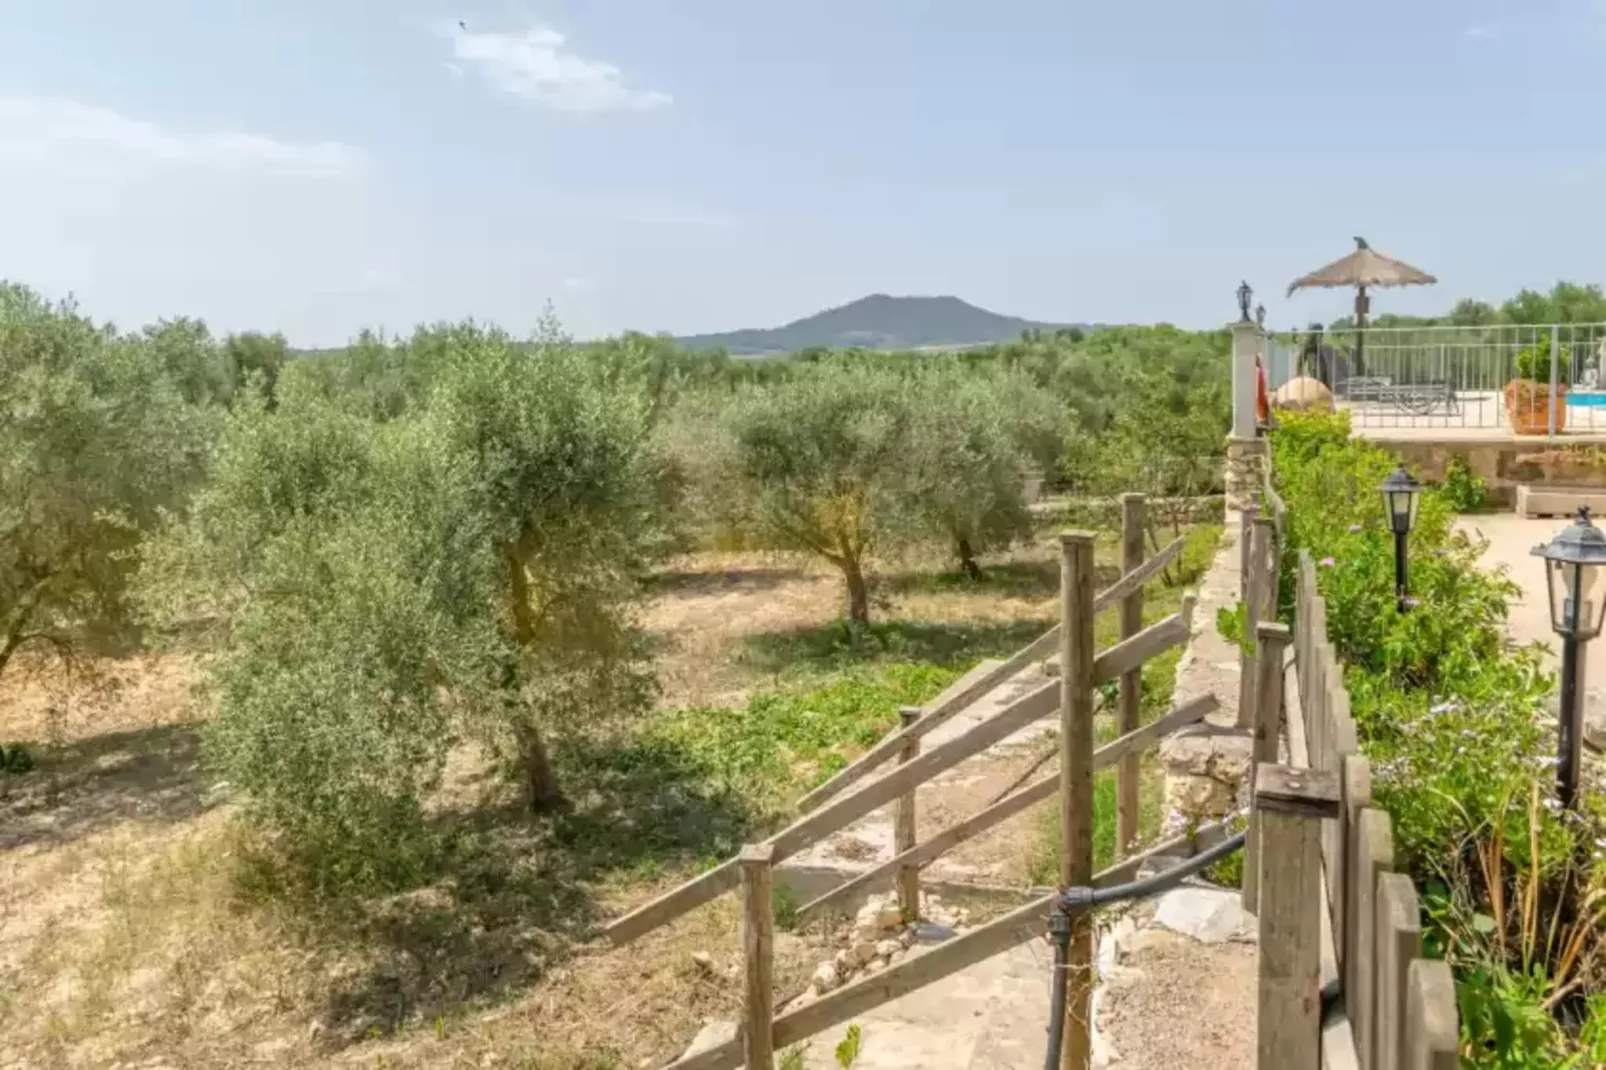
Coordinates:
column 1245, row 344
column 1246, row 473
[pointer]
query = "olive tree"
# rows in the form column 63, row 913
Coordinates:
column 977, row 433
column 96, row 439
column 825, row 460
column 389, row 582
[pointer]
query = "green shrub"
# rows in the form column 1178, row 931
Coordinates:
column 1451, row 717
column 1462, row 491
column 465, row 565
column 1533, row 362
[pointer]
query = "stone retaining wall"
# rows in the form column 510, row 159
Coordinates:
column 1205, row 764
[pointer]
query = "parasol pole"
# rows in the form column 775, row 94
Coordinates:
column 1362, row 305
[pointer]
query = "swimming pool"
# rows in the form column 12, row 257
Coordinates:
column 1587, row 398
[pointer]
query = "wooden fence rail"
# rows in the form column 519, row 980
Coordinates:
column 832, row 807
column 1320, row 865
column 827, row 817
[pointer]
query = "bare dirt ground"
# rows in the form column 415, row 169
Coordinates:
column 127, row 939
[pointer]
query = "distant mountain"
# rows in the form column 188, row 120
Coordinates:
column 876, row 322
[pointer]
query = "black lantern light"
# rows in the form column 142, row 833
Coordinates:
column 1245, row 295
column 1575, row 573
column 1401, row 496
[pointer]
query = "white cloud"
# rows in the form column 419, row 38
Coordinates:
column 1482, row 31
column 55, row 129
column 535, row 65
column 143, row 219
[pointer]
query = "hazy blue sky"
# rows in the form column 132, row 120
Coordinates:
column 316, row 166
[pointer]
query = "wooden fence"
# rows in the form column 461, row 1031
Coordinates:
column 1343, row 983
column 833, row 805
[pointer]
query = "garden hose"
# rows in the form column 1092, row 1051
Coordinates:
column 1078, row 900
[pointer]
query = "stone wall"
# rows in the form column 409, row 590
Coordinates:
column 1246, row 468
column 1206, row 764
column 1504, row 464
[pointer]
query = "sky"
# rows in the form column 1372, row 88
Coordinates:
column 317, row 167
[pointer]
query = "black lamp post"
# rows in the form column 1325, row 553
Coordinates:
column 1401, row 496
column 1575, row 572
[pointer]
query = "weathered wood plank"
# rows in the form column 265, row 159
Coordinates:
column 1374, row 857
column 1357, row 785
column 984, row 677
column 1254, row 598
column 1430, row 1019
column 903, row 826
column 1025, row 923
column 1288, row 805
column 1130, row 654
column 757, row 862
column 1078, row 671
column 1303, row 792
column 1399, row 943
column 962, row 694
column 1271, row 642
column 1037, row 791
column 1129, row 773
column 1035, row 704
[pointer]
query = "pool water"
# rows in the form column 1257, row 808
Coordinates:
column 1587, row 398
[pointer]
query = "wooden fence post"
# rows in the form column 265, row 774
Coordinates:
column 1289, row 806
column 1130, row 771
column 903, row 826
column 1399, row 943
column 1076, row 783
column 1270, row 568
column 1246, row 536
column 1270, row 642
column 1430, row 1024
column 1374, row 856
column 758, row 952
column 1254, row 587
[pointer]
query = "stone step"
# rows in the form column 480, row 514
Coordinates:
column 1561, row 502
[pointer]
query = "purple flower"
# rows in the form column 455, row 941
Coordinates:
column 1327, row 562
column 1354, row 528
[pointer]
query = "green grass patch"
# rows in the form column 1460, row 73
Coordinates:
column 784, row 742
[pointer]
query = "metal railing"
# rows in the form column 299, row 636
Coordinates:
column 1455, row 376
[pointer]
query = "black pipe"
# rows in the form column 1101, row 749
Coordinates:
column 1079, row 900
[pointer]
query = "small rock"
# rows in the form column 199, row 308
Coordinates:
column 874, row 966
column 889, row 916
column 887, row 948
column 715, row 1031
column 1209, row 915
column 703, row 960
column 907, row 937
column 845, row 960
column 826, row 977
column 931, row 933
column 863, row 952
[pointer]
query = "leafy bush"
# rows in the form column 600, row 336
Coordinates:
column 1533, row 362
column 96, row 442
column 1462, row 491
column 1451, row 717
column 464, row 564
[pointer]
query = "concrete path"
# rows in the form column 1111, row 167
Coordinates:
column 1511, row 542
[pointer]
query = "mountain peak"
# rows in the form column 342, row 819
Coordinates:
column 876, row 321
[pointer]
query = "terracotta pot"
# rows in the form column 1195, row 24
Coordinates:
column 1528, row 407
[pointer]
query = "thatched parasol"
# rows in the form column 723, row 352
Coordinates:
column 1360, row 269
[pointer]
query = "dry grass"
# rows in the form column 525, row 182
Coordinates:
column 126, row 937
